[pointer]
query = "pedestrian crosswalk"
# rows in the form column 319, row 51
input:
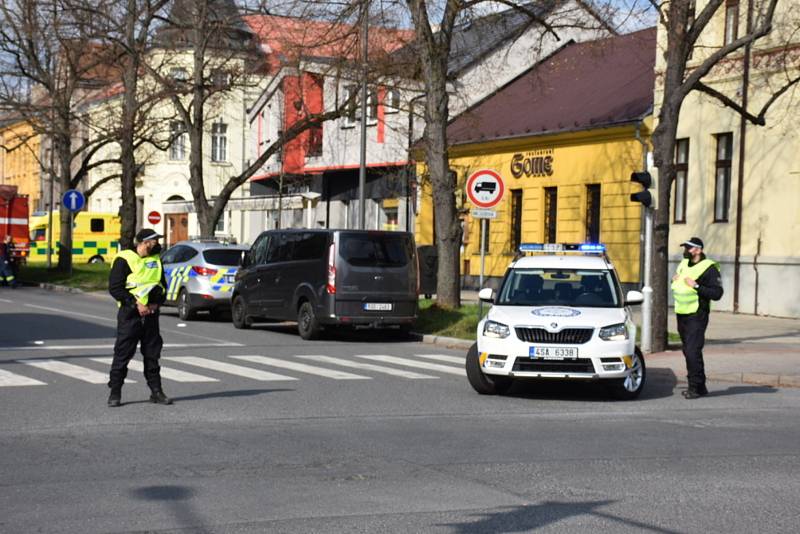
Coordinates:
column 197, row 369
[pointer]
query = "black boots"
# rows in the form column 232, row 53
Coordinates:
column 158, row 397
column 115, row 398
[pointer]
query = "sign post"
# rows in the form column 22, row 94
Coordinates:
column 485, row 190
column 74, row 201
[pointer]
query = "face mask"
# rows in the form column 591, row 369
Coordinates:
column 687, row 254
column 156, row 249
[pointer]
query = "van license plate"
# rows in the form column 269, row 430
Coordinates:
column 554, row 353
column 378, row 306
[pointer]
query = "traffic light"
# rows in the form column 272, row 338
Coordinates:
column 644, row 196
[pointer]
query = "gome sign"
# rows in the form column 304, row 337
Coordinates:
column 485, row 188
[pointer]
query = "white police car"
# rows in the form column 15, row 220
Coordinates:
column 559, row 313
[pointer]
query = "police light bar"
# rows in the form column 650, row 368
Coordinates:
column 585, row 248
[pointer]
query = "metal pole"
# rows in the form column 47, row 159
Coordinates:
column 362, row 167
column 50, row 208
column 483, row 257
column 647, row 289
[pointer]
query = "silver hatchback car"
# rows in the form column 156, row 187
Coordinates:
column 200, row 276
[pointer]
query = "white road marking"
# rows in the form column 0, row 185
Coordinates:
column 459, row 360
column 111, row 347
column 414, row 363
column 238, row 370
column 8, row 301
column 166, row 372
column 69, row 313
column 303, row 368
column 8, row 379
column 366, row 366
column 73, row 371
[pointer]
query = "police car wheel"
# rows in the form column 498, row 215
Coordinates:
column 185, row 311
column 631, row 387
column 307, row 324
column 483, row 383
column 239, row 313
column 96, row 259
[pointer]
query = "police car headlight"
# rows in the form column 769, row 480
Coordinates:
column 615, row 332
column 495, row 329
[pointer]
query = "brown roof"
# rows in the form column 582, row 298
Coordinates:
column 582, row 86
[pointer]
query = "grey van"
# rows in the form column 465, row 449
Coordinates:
column 323, row 278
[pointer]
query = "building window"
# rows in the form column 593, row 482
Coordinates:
column 314, row 142
column 179, row 74
column 220, row 79
column 219, row 141
column 516, row 219
column 681, row 174
column 550, row 213
column 392, row 104
column 731, row 20
column 351, row 98
column 593, row 213
column 722, row 177
column 177, row 132
column 372, row 105
column 690, row 22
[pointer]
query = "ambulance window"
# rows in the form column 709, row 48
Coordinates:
column 97, row 225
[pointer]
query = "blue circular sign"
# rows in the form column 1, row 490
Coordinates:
column 73, row 200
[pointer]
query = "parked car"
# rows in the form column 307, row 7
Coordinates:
column 324, row 278
column 200, row 276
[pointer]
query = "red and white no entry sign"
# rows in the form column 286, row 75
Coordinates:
column 485, row 188
column 154, row 217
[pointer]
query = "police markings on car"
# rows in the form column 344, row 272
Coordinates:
column 560, row 313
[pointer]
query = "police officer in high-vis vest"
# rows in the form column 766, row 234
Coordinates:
column 137, row 283
column 696, row 282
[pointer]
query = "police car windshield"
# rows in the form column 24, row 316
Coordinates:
column 560, row 287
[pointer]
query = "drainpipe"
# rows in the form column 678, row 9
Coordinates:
column 647, row 288
column 740, row 178
column 408, row 169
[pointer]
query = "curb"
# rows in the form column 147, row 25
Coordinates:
column 449, row 342
column 59, row 289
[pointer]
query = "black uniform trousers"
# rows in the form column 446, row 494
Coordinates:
column 132, row 329
column 692, row 329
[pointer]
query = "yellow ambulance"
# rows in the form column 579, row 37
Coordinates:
column 95, row 236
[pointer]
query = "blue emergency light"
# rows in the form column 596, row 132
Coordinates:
column 586, row 248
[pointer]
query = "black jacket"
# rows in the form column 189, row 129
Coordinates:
column 116, row 285
column 710, row 286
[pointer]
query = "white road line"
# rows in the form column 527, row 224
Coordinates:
column 413, row 363
column 8, row 301
column 8, row 379
column 69, row 313
column 459, row 360
column 303, row 368
column 111, row 347
column 166, row 372
column 73, row 371
column 222, row 367
column 366, row 366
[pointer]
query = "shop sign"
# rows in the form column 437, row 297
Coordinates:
column 534, row 163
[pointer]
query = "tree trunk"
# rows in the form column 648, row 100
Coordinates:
column 130, row 78
column 205, row 217
column 63, row 150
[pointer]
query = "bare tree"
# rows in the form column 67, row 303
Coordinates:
column 50, row 65
column 688, row 67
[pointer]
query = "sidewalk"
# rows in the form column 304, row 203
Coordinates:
column 739, row 348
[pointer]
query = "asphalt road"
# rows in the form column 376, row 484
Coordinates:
column 363, row 433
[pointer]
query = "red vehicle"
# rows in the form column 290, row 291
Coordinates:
column 14, row 221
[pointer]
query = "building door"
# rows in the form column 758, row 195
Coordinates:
column 550, row 213
column 177, row 227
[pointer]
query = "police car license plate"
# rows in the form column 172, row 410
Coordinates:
column 554, row 353
column 230, row 278
column 378, row 306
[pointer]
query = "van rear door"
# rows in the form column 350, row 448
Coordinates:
column 376, row 274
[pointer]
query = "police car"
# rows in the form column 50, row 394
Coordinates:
column 560, row 313
column 200, row 276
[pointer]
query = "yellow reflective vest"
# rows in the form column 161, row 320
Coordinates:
column 145, row 275
column 686, row 298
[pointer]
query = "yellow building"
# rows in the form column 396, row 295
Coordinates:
column 19, row 159
column 565, row 138
column 743, row 198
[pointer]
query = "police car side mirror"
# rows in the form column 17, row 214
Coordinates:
column 634, row 297
column 243, row 259
column 486, row 294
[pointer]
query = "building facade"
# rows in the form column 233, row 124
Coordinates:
column 565, row 138
column 19, row 160
column 738, row 184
